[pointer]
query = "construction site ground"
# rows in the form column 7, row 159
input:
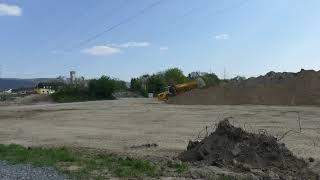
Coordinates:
column 127, row 125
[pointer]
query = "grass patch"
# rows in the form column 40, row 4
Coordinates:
column 181, row 168
column 79, row 165
column 35, row 156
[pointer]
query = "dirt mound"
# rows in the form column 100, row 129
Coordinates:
column 233, row 148
column 26, row 100
column 302, row 88
column 33, row 99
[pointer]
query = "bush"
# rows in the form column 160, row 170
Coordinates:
column 210, row 79
column 120, row 85
column 156, row 83
column 70, row 93
column 102, row 88
column 97, row 89
column 136, row 85
column 4, row 97
column 174, row 76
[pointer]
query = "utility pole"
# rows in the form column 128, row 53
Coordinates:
column 224, row 73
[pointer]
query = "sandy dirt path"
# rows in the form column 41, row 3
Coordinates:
column 119, row 124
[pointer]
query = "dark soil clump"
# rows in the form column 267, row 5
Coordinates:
column 233, row 148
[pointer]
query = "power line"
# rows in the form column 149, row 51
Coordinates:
column 217, row 12
column 80, row 15
column 113, row 10
column 85, row 11
column 124, row 21
column 145, row 10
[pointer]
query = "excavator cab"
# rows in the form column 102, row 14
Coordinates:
column 169, row 91
column 165, row 94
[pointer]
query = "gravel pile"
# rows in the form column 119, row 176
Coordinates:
column 27, row 172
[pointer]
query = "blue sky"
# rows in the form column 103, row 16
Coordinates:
column 42, row 38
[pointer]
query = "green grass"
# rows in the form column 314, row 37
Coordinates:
column 35, row 156
column 179, row 167
column 88, row 166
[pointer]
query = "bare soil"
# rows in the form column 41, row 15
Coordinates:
column 119, row 125
column 32, row 99
column 302, row 88
column 156, row 131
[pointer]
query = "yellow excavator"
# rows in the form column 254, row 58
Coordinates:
column 177, row 89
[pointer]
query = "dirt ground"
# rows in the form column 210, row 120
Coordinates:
column 282, row 88
column 118, row 125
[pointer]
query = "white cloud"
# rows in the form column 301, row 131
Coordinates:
column 10, row 10
column 101, row 51
column 222, row 37
column 109, row 49
column 130, row 44
column 164, row 48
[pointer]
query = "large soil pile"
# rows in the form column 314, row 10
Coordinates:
column 232, row 148
column 302, row 88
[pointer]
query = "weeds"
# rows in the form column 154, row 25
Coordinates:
column 79, row 165
column 181, row 168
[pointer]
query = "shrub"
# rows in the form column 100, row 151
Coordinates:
column 210, row 79
column 156, row 83
column 174, row 76
column 102, row 88
column 97, row 89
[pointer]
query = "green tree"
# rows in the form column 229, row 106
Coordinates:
column 97, row 89
column 210, row 79
column 174, row 76
column 120, row 85
column 156, row 83
column 71, row 93
column 102, row 88
column 136, row 85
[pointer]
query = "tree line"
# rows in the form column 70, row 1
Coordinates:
column 104, row 87
column 156, row 83
column 94, row 89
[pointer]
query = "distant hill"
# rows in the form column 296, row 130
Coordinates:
column 12, row 83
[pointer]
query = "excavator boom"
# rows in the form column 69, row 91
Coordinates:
column 177, row 89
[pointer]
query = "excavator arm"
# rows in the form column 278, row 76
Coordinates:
column 177, row 89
